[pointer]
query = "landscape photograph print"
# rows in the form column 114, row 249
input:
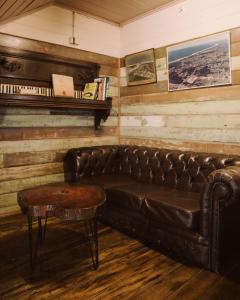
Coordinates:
column 141, row 67
column 200, row 63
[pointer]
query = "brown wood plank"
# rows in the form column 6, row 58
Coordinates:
column 128, row 269
column 14, row 173
column 235, row 49
column 236, row 77
column 11, row 134
column 32, row 158
column 14, row 9
column 204, row 94
column 197, row 286
column 235, row 35
column 7, row 6
column 152, row 88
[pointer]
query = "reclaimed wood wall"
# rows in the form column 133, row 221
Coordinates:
column 204, row 119
column 34, row 141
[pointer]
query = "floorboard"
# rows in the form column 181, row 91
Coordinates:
column 128, row 269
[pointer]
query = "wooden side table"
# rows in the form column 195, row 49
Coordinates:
column 65, row 201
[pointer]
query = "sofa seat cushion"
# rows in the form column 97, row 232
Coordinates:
column 174, row 207
column 106, row 181
column 129, row 196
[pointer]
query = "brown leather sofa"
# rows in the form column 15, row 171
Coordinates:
column 185, row 204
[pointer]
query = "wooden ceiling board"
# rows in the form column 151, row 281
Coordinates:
column 13, row 8
column 117, row 11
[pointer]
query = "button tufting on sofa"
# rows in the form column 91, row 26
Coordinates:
column 186, row 204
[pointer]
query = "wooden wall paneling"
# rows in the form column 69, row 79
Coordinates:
column 203, row 119
column 220, row 121
column 7, row 187
column 28, row 133
column 54, row 144
column 7, row 174
column 8, row 204
column 144, row 89
column 52, row 121
column 213, row 107
column 32, row 158
column 195, row 134
column 33, row 142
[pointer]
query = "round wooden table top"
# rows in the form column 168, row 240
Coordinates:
column 66, row 200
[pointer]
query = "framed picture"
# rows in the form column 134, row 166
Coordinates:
column 200, row 63
column 141, row 67
column 63, row 85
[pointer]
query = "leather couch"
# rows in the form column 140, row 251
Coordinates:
column 184, row 204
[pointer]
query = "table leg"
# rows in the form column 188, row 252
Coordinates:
column 92, row 236
column 30, row 241
column 33, row 251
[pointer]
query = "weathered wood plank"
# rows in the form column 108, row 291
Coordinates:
column 7, row 187
column 30, row 171
column 23, row 111
column 8, row 204
column 195, row 95
column 236, row 77
column 188, row 108
column 197, row 146
column 196, row 134
column 235, row 51
column 1, row 160
column 32, row 158
column 144, row 89
column 30, row 133
column 235, row 35
column 55, row 144
column 183, row 121
column 52, row 121
column 160, row 52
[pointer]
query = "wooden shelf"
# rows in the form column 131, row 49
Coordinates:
column 101, row 109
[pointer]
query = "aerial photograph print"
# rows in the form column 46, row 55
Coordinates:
column 200, row 63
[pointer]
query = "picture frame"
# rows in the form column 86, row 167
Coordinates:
column 203, row 62
column 141, row 68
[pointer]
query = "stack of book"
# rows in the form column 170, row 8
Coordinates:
column 96, row 90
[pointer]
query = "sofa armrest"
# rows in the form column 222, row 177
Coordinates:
column 220, row 206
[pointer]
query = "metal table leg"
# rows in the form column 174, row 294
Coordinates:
column 92, row 236
column 39, row 239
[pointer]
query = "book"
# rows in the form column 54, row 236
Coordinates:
column 63, row 85
column 103, row 84
column 90, row 91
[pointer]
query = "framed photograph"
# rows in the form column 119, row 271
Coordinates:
column 63, row 86
column 200, row 63
column 141, row 67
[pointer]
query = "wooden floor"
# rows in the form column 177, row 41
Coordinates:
column 128, row 269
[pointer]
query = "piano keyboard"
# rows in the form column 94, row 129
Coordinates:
column 31, row 90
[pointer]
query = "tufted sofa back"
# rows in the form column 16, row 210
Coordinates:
column 172, row 168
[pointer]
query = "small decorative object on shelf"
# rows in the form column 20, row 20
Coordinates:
column 63, row 85
column 90, row 91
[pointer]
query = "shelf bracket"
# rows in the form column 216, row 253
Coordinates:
column 100, row 115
